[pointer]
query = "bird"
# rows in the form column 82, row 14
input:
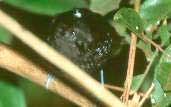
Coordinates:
column 84, row 37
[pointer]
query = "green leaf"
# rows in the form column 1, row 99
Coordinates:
column 166, row 101
column 163, row 71
column 145, row 81
column 130, row 19
column 5, row 36
column 11, row 96
column 136, row 81
column 48, row 7
column 145, row 46
column 120, row 29
column 154, row 10
column 103, row 7
column 158, row 93
column 38, row 96
column 164, row 35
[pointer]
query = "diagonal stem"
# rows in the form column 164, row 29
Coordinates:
column 16, row 63
column 146, row 95
column 120, row 89
column 145, row 38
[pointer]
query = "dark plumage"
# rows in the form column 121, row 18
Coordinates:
column 82, row 36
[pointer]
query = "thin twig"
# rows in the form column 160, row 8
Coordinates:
column 114, row 88
column 146, row 39
column 54, row 57
column 16, row 63
column 117, row 88
column 147, row 94
column 130, row 69
column 131, row 60
column 154, row 44
column 147, row 70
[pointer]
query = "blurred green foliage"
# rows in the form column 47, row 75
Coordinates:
column 49, row 7
column 152, row 14
column 11, row 96
column 5, row 36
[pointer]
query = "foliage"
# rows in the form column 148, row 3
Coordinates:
column 5, row 35
column 49, row 7
column 153, row 19
column 11, row 96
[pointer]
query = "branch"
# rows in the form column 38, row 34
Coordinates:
column 130, row 69
column 54, row 57
column 16, row 63
column 120, row 89
column 145, row 38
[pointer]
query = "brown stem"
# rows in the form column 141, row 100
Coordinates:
column 16, row 63
column 130, row 69
column 154, row 44
column 116, row 88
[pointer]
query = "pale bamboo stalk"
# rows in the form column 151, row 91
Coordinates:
column 60, row 61
column 147, row 94
column 16, row 63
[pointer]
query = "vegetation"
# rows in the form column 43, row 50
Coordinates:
column 142, row 25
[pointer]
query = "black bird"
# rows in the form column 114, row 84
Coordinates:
column 84, row 37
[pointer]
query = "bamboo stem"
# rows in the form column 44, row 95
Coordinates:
column 16, row 63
